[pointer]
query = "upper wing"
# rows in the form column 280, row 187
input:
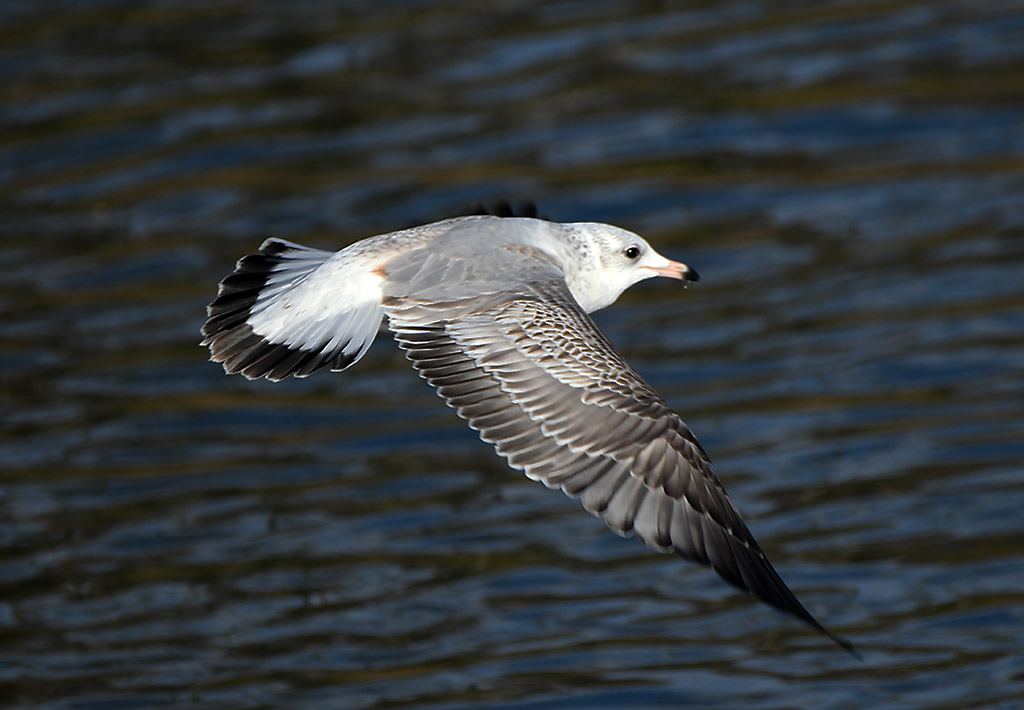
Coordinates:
column 535, row 376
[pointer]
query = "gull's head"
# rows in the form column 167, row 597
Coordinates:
column 609, row 260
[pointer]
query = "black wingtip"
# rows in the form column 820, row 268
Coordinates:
column 504, row 208
column 804, row 615
column 799, row 611
column 845, row 644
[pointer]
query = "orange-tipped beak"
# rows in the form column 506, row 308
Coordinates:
column 675, row 270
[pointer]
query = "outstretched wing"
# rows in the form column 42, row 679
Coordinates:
column 536, row 377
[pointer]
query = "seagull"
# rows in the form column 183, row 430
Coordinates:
column 493, row 312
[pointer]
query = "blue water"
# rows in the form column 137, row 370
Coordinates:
column 848, row 178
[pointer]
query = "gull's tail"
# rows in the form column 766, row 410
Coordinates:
column 290, row 310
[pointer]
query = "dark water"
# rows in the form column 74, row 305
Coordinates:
column 847, row 177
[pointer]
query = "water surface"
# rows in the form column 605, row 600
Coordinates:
column 848, row 180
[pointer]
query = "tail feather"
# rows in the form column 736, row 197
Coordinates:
column 290, row 310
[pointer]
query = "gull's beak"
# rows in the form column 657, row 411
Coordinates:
column 675, row 270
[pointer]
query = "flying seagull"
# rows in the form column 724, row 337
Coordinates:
column 493, row 312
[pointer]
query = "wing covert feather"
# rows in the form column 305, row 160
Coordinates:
column 537, row 379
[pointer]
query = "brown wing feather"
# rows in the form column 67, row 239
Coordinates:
column 537, row 378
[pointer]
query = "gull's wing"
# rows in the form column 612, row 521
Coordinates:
column 533, row 374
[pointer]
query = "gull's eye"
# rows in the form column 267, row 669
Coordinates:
column 632, row 252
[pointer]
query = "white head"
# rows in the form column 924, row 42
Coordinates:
column 608, row 260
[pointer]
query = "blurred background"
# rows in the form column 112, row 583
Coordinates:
column 848, row 178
